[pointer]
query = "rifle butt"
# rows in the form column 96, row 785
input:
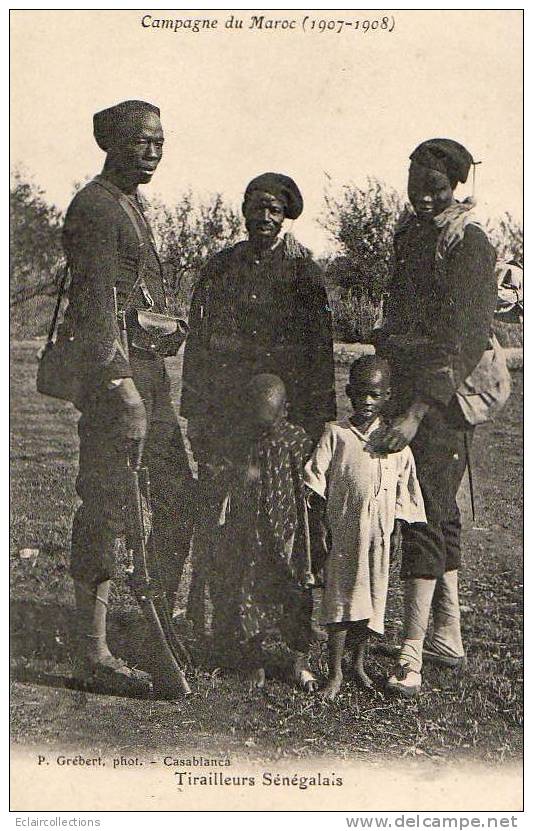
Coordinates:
column 169, row 680
column 169, row 677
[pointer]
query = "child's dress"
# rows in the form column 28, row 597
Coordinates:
column 365, row 494
column 262, row 557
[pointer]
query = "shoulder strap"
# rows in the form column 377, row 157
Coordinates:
column 124, row 203
column 60, row 293
column 135, row 219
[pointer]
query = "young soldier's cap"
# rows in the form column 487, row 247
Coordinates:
column 446, row 156
column 115, row 122
column 283, row 188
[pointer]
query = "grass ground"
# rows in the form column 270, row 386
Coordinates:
column 476, row 714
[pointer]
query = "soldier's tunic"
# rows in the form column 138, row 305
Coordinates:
column 438, row 324
column 103, row 252
column 251, row 315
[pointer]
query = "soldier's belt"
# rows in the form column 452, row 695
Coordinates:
column 250, row 349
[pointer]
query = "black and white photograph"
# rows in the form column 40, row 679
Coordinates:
column 266, row 411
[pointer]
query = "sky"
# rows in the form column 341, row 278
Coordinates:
column 237, row 102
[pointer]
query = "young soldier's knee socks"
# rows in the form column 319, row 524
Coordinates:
column 91, row 605
column 446, row 638
column 418, row 594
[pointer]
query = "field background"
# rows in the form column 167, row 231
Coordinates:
column 475, row 714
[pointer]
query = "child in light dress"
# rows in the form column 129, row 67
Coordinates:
column 363, row 498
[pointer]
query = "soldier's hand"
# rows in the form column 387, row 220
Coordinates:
column 131, row 421
column 394, row 438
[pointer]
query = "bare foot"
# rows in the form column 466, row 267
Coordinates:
column 363, row 679
column 307, row 681
column 257, row 678
column 332, row 688
column 303, row 675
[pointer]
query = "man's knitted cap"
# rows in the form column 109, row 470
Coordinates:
column 446, row 156
column 116, row 123
column 283, row 188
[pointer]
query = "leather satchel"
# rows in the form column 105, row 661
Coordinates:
column 59, row 373
column 167, row 332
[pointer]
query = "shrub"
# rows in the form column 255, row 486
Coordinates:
column 361, row 222
column 354, row 314
column 188, row 235
column 35, row 241
column 507, row 236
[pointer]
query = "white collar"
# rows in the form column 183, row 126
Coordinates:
column 346, row 422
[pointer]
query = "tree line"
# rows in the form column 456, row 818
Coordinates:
column 360, row 222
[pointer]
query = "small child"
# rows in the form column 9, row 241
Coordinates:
column 363, row 496
column 262, row 559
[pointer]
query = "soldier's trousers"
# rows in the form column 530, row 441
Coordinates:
column 439, row 449
column 99, row 521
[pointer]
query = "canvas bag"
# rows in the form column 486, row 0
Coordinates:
column 59, row 372
column 482, row 395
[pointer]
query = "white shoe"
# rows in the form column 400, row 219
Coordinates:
column 405, row 681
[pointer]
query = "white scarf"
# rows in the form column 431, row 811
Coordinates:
column 452, row 222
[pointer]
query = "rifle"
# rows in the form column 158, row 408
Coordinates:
column 173, row 656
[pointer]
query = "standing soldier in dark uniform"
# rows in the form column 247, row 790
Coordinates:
column 437, row 327
column 125, row 405
column 259, row 307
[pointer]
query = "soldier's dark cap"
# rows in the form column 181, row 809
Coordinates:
column 446, row 156
column 114, row 123
column 283, row 188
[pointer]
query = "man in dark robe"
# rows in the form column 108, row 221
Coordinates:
column 259, row 307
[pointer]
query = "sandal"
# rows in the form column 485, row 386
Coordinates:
column 405, row 681
column 114, row 675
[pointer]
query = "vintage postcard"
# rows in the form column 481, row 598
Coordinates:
column 266, row 309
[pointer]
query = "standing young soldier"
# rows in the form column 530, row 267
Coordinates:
column 437, row 327
column 125, row 403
